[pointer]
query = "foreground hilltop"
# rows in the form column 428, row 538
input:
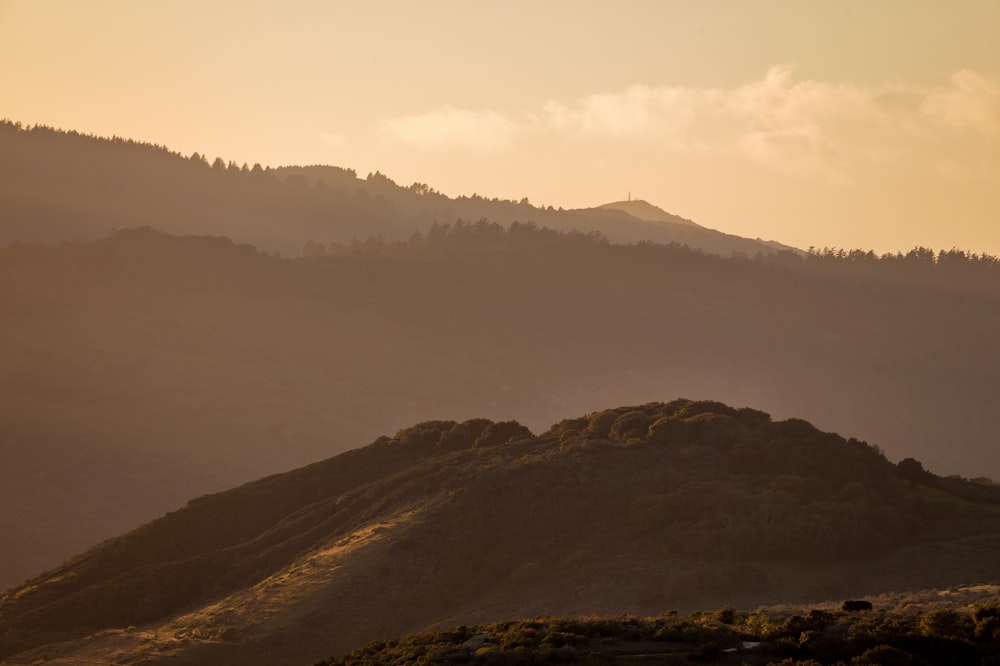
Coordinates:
column 637, row 509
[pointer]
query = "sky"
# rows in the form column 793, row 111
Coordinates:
column 855, row 124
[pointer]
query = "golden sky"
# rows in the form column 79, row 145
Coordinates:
column 849, row 123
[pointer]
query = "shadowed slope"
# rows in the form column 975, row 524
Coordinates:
column 146, row 369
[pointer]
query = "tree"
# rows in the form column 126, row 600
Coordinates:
column 911, row 470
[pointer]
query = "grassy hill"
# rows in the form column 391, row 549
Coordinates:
column 639, row 509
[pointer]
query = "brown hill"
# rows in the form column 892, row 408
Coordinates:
column 59, row 186
column 643, row 210
column 145, row 369
column 636, row 509
column 694, row 235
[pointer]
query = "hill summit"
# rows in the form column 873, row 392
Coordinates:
column 684, row 231
column 643, row 210
column 681, row 505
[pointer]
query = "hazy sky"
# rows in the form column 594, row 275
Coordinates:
column 850, row 123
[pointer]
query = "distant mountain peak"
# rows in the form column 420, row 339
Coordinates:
column 643, row 210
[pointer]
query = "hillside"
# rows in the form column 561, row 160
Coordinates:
column 145, row 369
column 632, row 510
column 60, row 186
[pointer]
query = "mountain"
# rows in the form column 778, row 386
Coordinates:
column 619, row 224
column 145, row 369
column 695, row 235
column 643, row 210
column 636, row 509
column 60, row 186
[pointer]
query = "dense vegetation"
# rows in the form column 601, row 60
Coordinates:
column 952, row 267
column 680, row 505
column 937, row 634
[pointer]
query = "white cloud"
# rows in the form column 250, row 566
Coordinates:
column 333, row 139
column 972, row 102
column 776, row 122
column 780, row 122
column 631, row 113
column 451, row 127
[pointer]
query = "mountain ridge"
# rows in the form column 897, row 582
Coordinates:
column 63, row 185
column 232, row 363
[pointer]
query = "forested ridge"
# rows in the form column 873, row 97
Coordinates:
column 151, row 368
column 679, row 505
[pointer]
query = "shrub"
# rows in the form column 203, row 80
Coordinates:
column 630, row 425
column 988, row 629
column 945, row 623
column 726, row 615
column 883, row 655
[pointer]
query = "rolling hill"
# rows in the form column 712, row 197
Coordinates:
column 145, row 369
column 680, row 505
column 60, row 186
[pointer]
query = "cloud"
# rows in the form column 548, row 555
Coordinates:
column 333, row 139
column 631, row 113
column 781, row 122
column 785, row 123
column 451, row 127
column 971, row 103
column 777, row 121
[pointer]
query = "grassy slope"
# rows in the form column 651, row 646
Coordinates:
column 628, row 510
